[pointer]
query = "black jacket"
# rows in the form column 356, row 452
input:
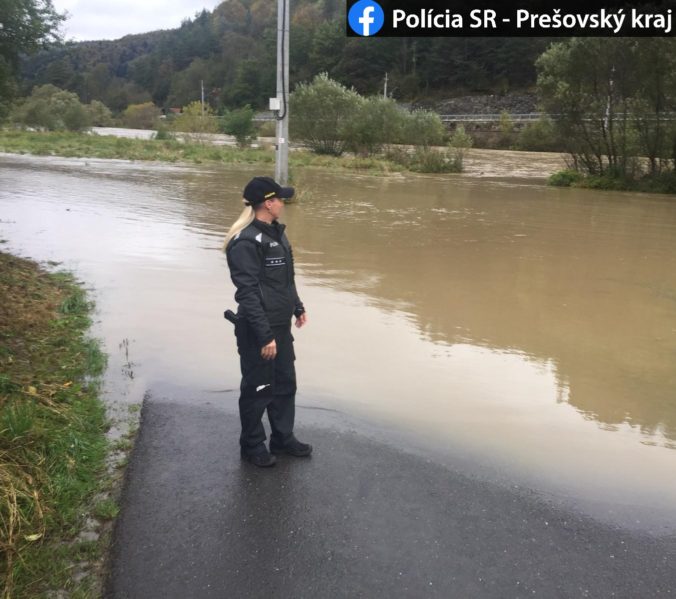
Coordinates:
column 261, row 267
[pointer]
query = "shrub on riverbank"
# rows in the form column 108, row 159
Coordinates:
column 52, row 426
column 321, row 112
column 661, row 183
column 425, row 160
column 565, row 178
column 332, row 119
column 54, row 109
column 239, row 123
column 140, row 116
column 613, row 101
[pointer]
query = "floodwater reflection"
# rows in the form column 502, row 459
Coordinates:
column 584, row 281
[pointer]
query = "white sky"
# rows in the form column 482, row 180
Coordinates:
column 112, row 19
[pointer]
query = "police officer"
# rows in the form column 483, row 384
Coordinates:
column 261, row 267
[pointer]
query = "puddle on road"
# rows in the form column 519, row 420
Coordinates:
column 533, row 327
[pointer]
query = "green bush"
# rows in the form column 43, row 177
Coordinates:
column 99, row 114
column 460, row 142
column 162, row 132
column 429, row 160
column 54, row 109
column 320, row 113
column 606, row 182
column 422, row 128
column 425, row 160
column 399, row 155
column 661, row 183
column 378, row 121
column 141, row 116
column 239, row 123
column 565, row 178
column 330, row 119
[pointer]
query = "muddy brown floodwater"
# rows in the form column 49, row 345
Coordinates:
column 531, row 328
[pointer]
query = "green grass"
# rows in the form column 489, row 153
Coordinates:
column 565, row 178
column 52, row 428
column 83, row 145
column 106, row 509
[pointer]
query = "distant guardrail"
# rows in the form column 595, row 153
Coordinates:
column 514, row 117
column 525, row 117
column 491, row 117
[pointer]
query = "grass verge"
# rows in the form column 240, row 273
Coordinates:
column 52, row 432
column 83, row 145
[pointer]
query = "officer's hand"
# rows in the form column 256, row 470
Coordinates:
column 269, row 351
column 301, row 320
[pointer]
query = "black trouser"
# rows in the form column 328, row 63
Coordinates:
column 266, row 385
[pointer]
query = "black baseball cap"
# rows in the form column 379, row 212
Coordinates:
column 260, row 189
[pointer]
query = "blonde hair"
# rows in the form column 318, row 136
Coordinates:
column 244, row 220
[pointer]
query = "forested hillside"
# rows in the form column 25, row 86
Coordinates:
column 233, row 50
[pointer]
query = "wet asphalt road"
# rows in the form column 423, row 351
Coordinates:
column 361, row 518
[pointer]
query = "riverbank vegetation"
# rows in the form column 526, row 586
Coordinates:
column 328, row 118
column 615, row 107
column 331, row 119
column 661, row 183
column 52, row 431
column 54, row 109
column 85, row 145
column 609, row 103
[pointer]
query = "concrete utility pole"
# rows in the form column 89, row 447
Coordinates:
column 202, row 85
column 282, row 162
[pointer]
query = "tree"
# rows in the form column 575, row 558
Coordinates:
column 321, row 112
column 611, row 99
column 60, row 73
column 97, row 81
column 586, row 83
column 186, row 85
column 7, row 87
column 461, row 143
column 653, row 107
column 240, row 123
column 327, row 46
column 253, row 81
column 423, row 128
column 25, row 25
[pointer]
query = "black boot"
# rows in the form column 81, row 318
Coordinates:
column 261, row 459
column 292, row 447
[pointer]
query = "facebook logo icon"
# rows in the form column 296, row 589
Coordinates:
column 366, row 17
